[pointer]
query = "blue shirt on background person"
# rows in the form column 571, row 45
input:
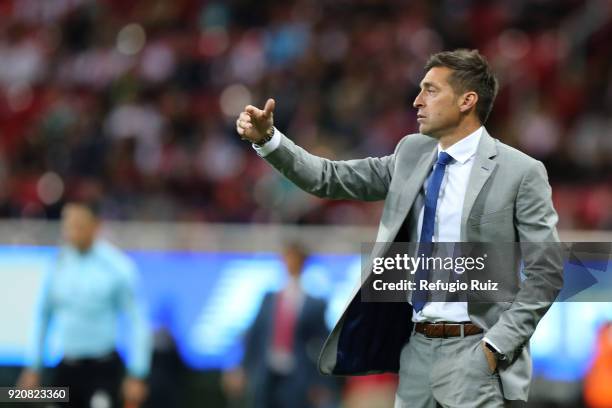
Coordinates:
column 89, row 286
column 86, row 293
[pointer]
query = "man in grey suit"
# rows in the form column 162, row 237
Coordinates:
column 451, row 182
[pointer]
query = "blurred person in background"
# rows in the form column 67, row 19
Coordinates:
column 369, row 391
column 168, row 376
column 90, row 285
column 598, row 381
column 279, row 368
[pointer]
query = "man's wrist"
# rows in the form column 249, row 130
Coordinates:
column 496, row 353
column 266, row 138
column 270, row 146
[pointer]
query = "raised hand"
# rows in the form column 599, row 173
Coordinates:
column 255, row 125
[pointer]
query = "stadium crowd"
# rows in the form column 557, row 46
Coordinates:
column 134, row 103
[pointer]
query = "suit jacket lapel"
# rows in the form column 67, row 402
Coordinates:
column 481, row 171
column 413, row 185
column 407, row 195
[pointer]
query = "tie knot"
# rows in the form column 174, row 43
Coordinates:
column 444, row 158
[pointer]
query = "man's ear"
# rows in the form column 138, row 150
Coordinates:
column 468, row 101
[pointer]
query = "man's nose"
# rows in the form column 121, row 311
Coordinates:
column 418, row 102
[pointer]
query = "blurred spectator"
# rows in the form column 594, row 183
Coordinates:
column 133, row 104
column 89, row 286
column 597, row 391
column 370, row 391
column 282, row 347
column 168, row 373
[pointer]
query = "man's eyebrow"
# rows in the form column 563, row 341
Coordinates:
column 428, row 84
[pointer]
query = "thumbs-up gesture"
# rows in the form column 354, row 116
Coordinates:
column 255, row 125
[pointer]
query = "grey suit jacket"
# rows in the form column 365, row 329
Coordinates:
column 508, row 199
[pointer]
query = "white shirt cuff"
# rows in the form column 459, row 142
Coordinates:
column 492, row 345
column 269, row 146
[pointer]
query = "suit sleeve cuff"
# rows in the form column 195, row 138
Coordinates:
column 490, row 343
column 270, row 146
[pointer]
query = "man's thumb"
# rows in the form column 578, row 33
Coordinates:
column 269, row 108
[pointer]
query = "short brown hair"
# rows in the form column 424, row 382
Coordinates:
column 471, row 72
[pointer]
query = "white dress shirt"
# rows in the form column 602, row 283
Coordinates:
column 447, row 224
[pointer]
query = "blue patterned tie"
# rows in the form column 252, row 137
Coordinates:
column 419, row 297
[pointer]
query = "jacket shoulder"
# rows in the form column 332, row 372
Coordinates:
column 513, row 155
column 416, row 139
column 415, row 142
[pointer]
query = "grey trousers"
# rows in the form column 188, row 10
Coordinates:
column 447, row 372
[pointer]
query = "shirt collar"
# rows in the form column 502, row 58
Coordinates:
column 464, row 149
column 94, row 248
